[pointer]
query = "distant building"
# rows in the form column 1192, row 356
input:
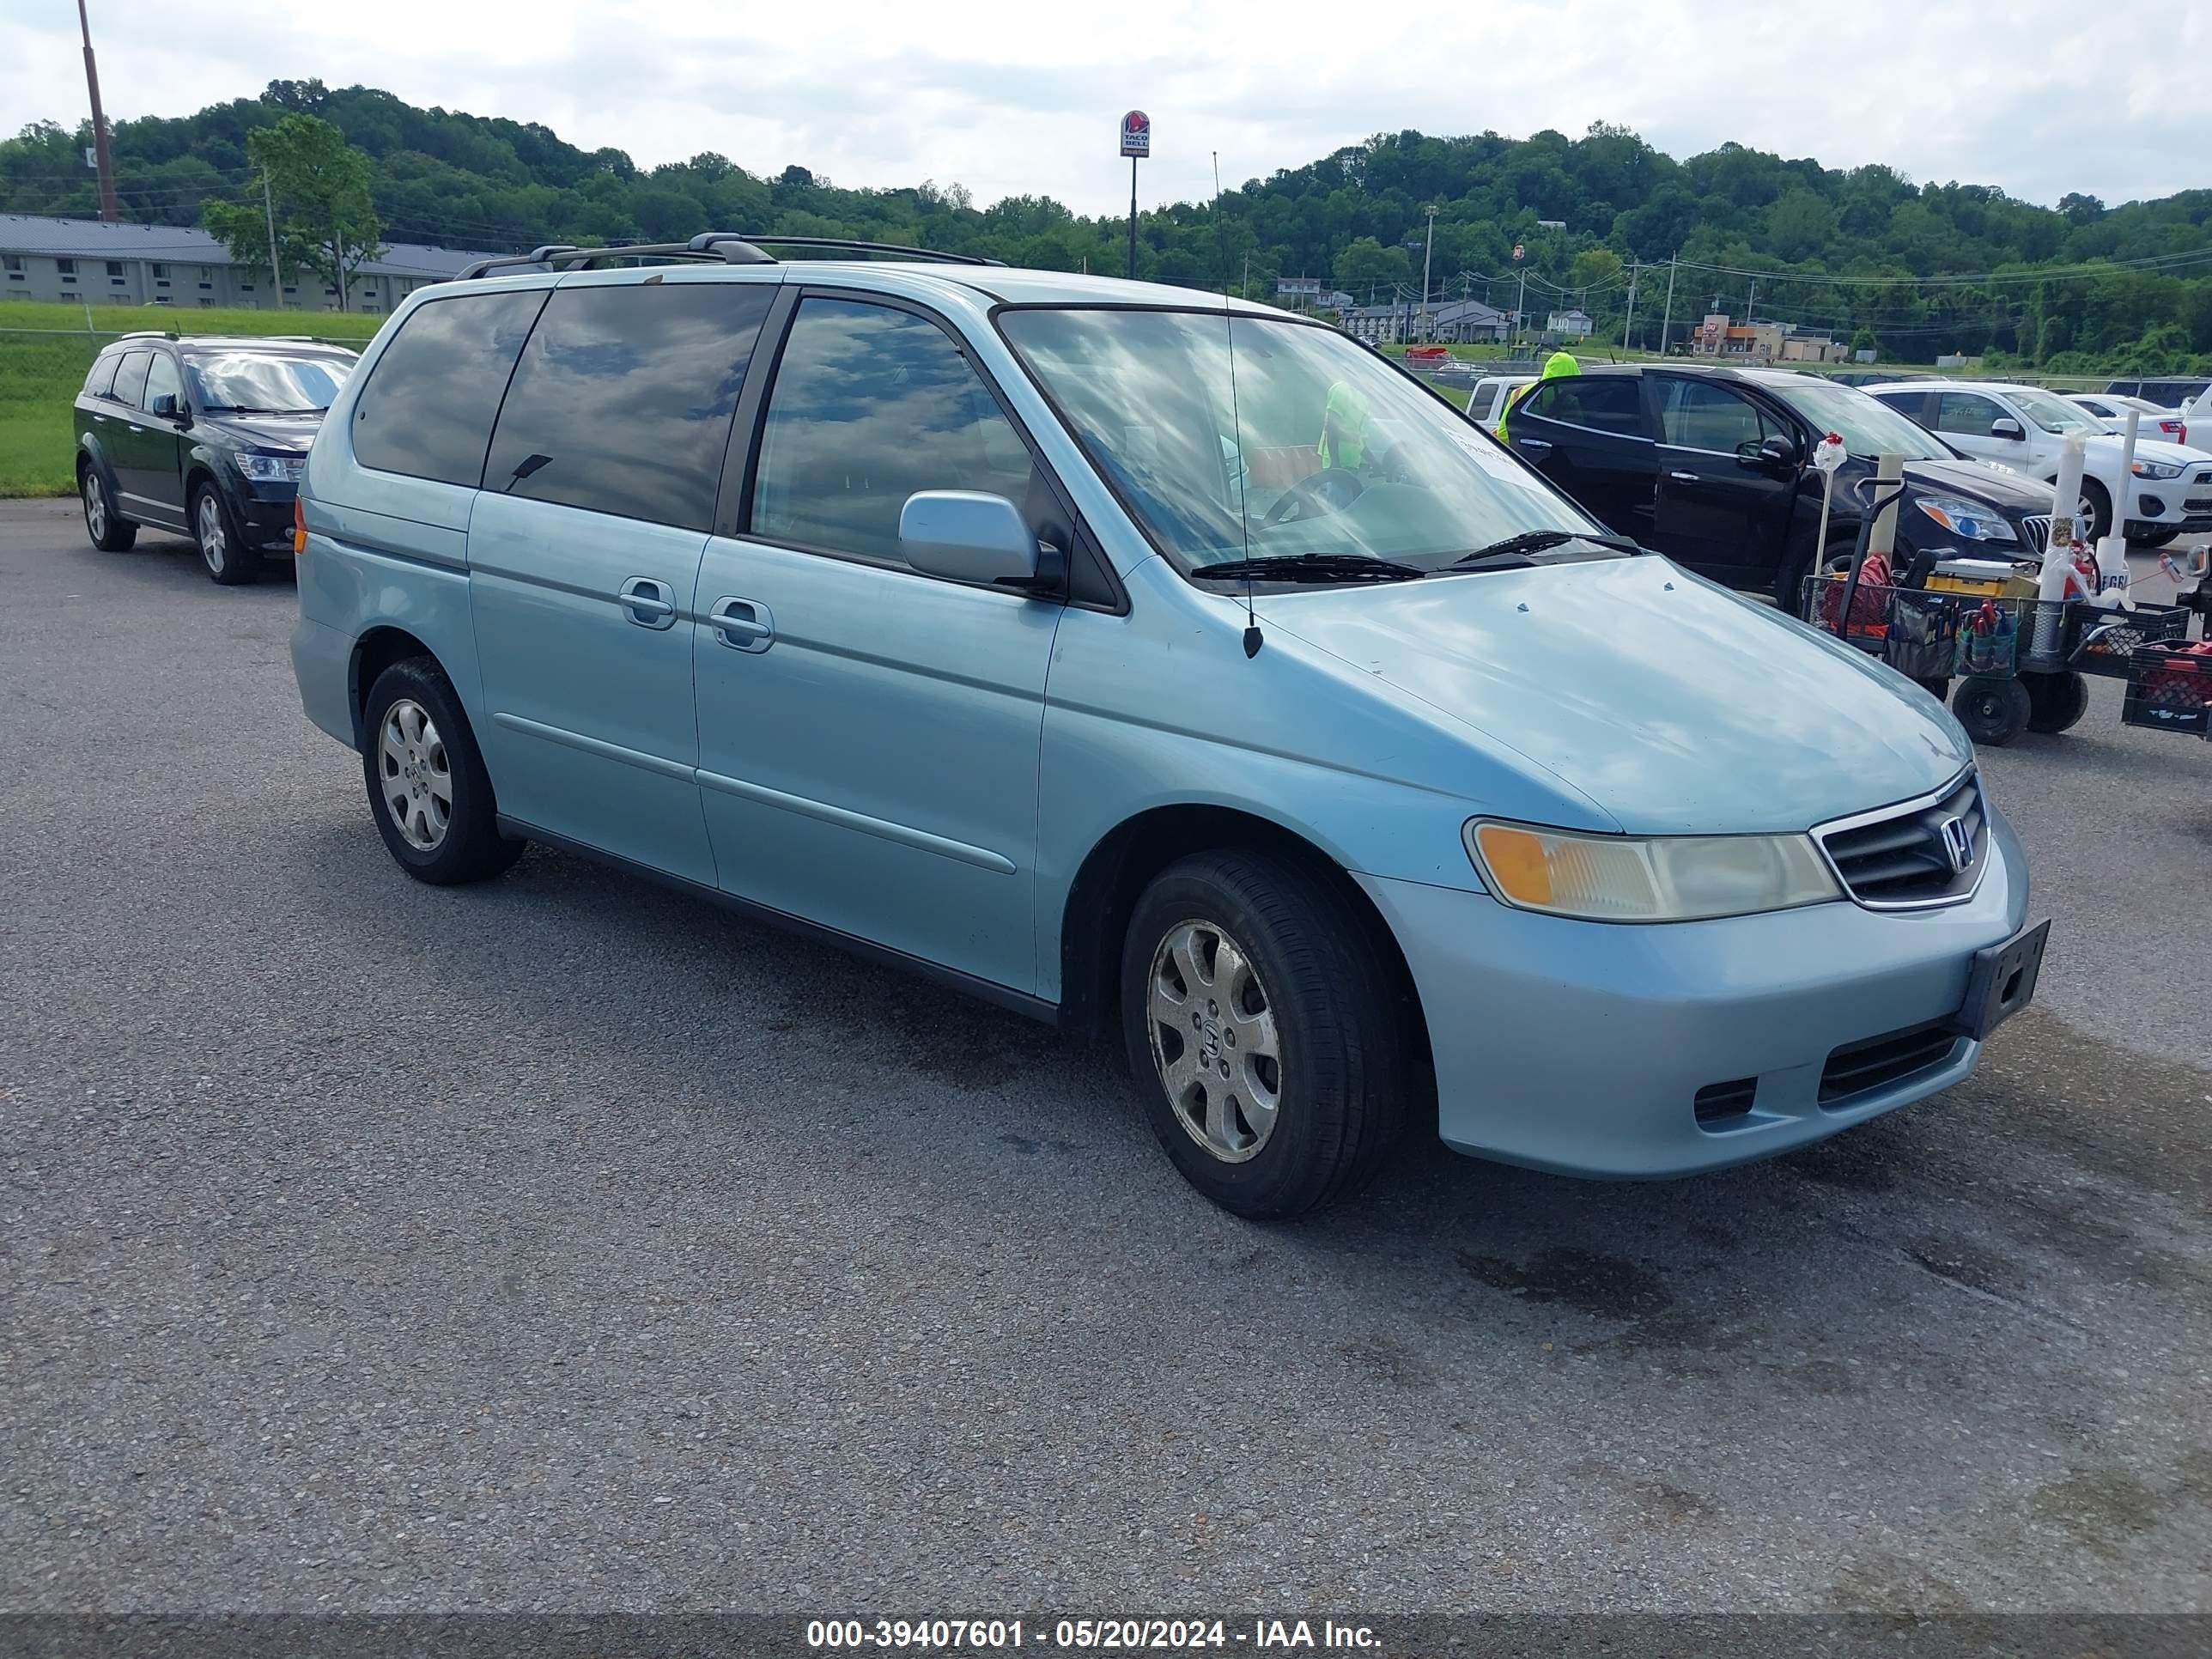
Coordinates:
column 1747, row 342
column 1464, row 322
column 1377, row 325
column 84, row 259
column 1812, row 348
column 1569, row 324
column 1312, row 293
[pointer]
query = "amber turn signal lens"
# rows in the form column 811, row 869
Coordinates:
column 299, row 526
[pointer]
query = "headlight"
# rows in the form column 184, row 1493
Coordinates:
column 1975, row 522
column 272, row 469
column 2159, row 470
column 1661, row 878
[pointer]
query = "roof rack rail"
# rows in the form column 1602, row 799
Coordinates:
column 728, row 247
column 148, row 334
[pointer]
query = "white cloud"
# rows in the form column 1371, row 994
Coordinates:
column 1009, row 98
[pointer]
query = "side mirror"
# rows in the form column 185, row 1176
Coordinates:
column 2005, row 427
column 1775, row 454
column 168, row 406
column 966, row 536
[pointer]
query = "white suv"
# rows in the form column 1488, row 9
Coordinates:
column 2024, row 428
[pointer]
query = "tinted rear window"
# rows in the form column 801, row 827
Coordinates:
column 102, row 376
column 427, row 411
column 623, row 400
column 1608, row 402
column 131, row 379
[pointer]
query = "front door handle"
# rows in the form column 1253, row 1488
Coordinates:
column 742, row 624
column 1683, row 477
column 650, row 604
column 1537, row 447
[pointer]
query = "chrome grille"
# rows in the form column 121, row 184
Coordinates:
column 1915, row 855
column 2035, row 530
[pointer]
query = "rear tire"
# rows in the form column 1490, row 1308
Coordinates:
column 427, row 788
column 2055, row 701
column 1263, row 1031
column 2096, row 512
column 223, row 552
column 1993, row 708
column 108, row 530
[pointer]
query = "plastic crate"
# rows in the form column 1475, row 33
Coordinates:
column 2104, row 641
column 2169, row 690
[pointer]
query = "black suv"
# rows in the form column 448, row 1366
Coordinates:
column 204, row 436
column 1712, row 466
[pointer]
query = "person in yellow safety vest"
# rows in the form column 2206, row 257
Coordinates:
column 1343, row 428
column 1558, row 363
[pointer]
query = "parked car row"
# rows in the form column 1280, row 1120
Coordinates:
column 1222, row 689
column 207, row 437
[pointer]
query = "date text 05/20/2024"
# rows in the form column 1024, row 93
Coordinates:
column 1100, row 1634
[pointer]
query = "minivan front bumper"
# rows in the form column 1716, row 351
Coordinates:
column 1581, row 1047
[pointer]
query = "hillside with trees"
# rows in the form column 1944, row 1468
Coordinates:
column 1867, row 254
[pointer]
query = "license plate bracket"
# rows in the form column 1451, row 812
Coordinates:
column 2002, row 980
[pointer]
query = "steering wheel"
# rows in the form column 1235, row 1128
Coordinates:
column 1330, row 491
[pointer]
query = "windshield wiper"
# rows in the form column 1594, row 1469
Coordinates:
column 1514, row 549
column 1311, row 568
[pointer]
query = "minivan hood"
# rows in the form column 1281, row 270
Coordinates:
column 284, row 432
column 1677, row 707
column 2014, row 492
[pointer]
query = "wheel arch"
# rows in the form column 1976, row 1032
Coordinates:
column 1113, row 873
column 376, row 651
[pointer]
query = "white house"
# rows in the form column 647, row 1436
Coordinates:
column 1568, row 324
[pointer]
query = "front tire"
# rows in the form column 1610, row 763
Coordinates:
column 2094, row 515
column 1263, row 1032
column 427, row 788
column 223, row 552
column 109, row 532
column 1994, row 709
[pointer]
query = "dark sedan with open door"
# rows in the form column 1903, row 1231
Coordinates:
column 1712, row 466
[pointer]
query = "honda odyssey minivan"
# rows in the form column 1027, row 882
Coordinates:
column 1150, row 664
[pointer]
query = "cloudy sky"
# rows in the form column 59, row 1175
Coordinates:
column 2040, row 97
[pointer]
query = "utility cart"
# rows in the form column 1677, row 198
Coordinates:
column 2019, row 663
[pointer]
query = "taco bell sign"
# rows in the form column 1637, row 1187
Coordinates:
column 1137, row 134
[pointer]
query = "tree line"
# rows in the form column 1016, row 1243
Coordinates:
column 1866, row 254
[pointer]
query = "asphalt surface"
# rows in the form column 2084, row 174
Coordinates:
column 552, row 1244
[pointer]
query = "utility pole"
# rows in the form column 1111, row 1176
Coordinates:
column 269, row 207
column 1428, row 247
column 110, row 212
column 337, row 246
column 1669, row 317
column 1629, row 327
column 1520, row 305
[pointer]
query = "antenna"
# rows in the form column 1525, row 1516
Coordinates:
column 1252, row 640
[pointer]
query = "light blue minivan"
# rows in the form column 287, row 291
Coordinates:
column 1155, row 664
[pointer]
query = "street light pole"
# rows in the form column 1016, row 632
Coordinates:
column 1665, row 321
column 110, row 211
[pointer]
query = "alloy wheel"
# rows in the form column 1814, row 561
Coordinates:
column 214, row 549
column 1214, row 1040
column 95, row 506
column 416, row 776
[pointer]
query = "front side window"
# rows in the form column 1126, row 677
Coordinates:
column 622, row 399
column 1698, row 415
column 131, row 379
column 872, row 404
column 427, row 411
column 264, row 383
column 161, row 377
column 1234, row 437
column 1966, row 413
column 1603, row 403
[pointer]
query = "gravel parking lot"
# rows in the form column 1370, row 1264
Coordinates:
column 554, row 1244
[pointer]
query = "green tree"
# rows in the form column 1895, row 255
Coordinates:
column 318, row 186
column 1365, row 262
column 1864, row 340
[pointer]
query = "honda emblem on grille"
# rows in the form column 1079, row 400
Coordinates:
column 1958, row 845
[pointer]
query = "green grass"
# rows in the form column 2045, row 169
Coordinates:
column 45, row 351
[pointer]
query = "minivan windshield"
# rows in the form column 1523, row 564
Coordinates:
column 1868, row 426
column 1234, row 438
column 264, row 383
